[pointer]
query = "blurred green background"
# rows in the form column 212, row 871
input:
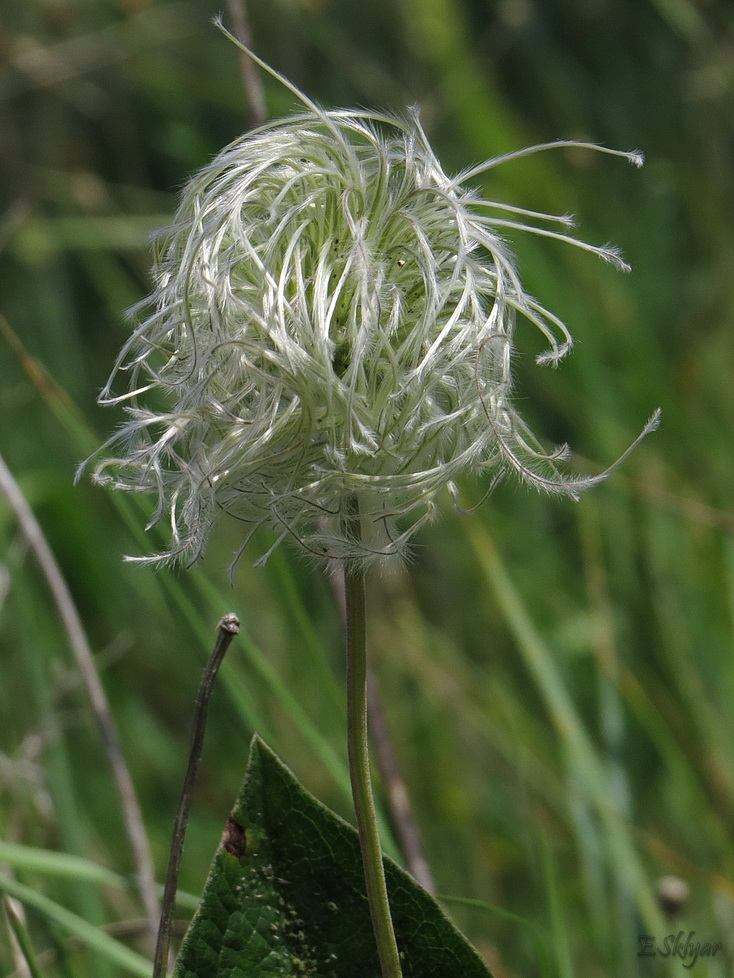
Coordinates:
column 558, row 678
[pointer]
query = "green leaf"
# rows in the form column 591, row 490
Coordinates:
column 285, row 896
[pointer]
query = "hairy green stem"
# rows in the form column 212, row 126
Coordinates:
column 359, row 765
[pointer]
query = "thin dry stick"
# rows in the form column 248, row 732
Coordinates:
column 228, row 627
column 398, row 799
column 251, row 83
column 82, row 653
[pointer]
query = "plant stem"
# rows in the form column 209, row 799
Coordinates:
column 248, row 69
column 359, row 765
column 397, row 798
column 82, row 652
column 228, row 627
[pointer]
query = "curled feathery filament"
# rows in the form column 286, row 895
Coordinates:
column 332, row 316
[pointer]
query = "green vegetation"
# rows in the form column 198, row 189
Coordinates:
column 557, row 677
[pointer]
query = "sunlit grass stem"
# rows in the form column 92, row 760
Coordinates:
column 83, row 657
column 358, row 750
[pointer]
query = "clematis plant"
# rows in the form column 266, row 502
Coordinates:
column 327, row 349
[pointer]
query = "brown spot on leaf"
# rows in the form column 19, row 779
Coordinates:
column 234, row 840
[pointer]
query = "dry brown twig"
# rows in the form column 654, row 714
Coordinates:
column 237, row 10
column 228, row 627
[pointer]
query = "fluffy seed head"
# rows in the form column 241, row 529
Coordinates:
column 332, row 318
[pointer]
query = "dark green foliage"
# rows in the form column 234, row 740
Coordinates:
column 285, row 896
